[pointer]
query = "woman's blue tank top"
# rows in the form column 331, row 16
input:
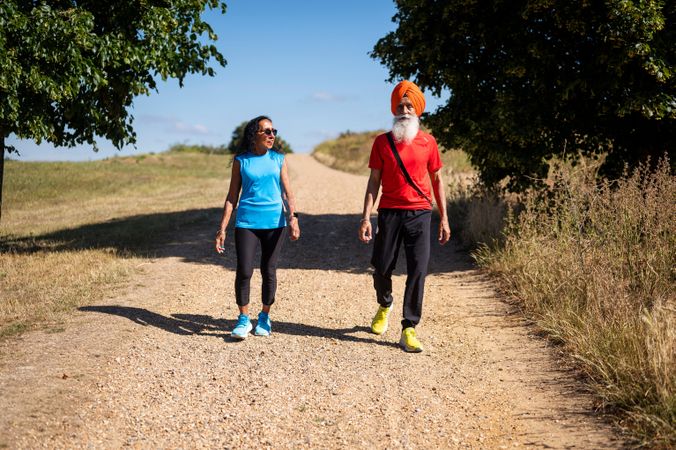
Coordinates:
column 260, row 203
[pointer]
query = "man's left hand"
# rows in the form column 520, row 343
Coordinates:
column 444, row 231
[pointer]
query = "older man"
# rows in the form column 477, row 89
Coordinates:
column 406, row 162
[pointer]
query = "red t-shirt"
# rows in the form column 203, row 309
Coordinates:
column 420, row 157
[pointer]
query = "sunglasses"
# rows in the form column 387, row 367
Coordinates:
column 269, row 131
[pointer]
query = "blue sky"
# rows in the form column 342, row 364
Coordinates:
column 303, row 63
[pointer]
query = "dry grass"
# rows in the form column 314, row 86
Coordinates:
column 37, row 288
column 70, row 232
column 593, row 263
column 477, row 215
column 350, row 153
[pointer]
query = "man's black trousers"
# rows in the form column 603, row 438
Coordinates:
column 412, row 228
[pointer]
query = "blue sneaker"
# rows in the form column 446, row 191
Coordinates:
column 264, row 326
column 242, row 327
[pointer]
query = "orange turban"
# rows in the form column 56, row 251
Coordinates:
column 413, row 93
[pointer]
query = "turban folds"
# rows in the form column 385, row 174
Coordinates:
column 412, row 92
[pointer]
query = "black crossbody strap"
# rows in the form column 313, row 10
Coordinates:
column 409, row 180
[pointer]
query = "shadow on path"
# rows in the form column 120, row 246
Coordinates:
column 328, row 242
column 203, row 325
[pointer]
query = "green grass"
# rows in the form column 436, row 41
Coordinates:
column 44, row 184
column 70, row 232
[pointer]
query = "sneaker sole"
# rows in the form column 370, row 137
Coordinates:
column 261, row 333
column 376, row 333
column 408, row 349
column 239, row 336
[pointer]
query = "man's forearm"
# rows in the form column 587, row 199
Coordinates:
column 439, row 194
column 368, row 205
column 372, row 189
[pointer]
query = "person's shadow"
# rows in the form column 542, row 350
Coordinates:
column 203, row 325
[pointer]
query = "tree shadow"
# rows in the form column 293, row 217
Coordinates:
column 204, row 325
column 136, row 235
column 328, row 242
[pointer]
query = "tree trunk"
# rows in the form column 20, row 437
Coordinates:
column 2, row 168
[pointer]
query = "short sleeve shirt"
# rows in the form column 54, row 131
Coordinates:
column 420, row 157
column 260, row 203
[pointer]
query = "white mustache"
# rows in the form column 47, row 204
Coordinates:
column 404, row 117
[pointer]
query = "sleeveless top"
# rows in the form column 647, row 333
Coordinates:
column 260, row 203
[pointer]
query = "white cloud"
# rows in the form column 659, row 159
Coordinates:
column 174, row 125
column 182, row 127
column 321, row 134
column 324, row 97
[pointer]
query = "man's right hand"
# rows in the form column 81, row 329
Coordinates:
column 365, row 231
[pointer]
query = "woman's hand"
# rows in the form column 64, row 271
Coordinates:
column 294, row 229
column 220, row 241
column 365, row 231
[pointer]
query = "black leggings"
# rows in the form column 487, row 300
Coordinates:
column 245, row 244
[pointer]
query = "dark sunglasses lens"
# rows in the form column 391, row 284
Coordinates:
column 269, row 131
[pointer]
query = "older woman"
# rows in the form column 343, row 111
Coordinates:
column 266, row 206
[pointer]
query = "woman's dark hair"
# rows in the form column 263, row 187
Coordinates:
column 249, row 135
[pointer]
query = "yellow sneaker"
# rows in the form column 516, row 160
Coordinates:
column 409, row 341
column 379, row 322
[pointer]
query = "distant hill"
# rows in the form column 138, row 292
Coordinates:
column 350, row 152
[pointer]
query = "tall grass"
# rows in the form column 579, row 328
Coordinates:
column 594, row 263
column 476, row 214
column 71, row 232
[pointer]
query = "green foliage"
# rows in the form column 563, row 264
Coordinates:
column 238, row 135
column 70, row 70
column 539, row 78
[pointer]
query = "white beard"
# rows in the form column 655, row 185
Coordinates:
column 405, row 127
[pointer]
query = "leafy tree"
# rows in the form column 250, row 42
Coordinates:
column 536, row 78
column 238, row 134
column 71, row 69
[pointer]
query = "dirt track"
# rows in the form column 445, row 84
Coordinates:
column 153, row 365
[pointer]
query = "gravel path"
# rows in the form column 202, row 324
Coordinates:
column 153, row 365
